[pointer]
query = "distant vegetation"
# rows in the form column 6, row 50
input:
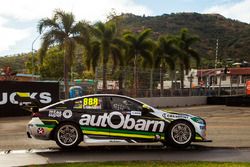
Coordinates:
column 175, row 42
column 234, row 36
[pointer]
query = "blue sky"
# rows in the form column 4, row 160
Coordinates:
column 19, row 18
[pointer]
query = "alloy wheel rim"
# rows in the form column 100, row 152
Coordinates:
column 181, row 133
column 67, row 135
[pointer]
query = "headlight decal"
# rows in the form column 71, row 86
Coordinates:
column 198, row 120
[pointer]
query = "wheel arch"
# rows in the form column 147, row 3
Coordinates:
column 177, row 120
column 62, row 122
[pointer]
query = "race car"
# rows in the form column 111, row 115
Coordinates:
column 110, row 117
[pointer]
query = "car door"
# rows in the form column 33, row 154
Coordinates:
column 94, row 116
column 128, row 119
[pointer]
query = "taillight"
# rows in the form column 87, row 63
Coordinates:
column 36, row 114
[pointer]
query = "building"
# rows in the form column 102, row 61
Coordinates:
column 224, row 77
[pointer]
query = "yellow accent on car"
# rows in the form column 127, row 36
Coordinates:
column 50, row 120
column 198, row 138
column 120, row 134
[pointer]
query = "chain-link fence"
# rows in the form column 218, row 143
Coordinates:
column 159, row 82
column 151, row 83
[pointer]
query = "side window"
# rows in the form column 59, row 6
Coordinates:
column 78, row 104
column 92, row 103
column 123, row 104
column 63, row 105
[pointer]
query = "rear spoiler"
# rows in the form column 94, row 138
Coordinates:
column 27, row 103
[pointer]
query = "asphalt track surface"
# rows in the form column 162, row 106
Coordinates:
column 228, row 127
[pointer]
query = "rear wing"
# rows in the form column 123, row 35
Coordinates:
column 27, row 103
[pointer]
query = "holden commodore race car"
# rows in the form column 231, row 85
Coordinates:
column 113, row 117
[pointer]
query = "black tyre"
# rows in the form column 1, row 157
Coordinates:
column 180, row 134
column 68, row 135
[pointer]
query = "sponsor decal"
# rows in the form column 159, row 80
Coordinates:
column 67, row 114
column 43, row 97
column 167, row 116
column 136, row 113
column 55, row 113
column 123, row 122
column 40, row 131
column 203, row 127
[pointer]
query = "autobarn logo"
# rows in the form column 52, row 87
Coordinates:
column 43, row 97
column 116, row 120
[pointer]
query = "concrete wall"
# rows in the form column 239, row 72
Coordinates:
column 174, row 101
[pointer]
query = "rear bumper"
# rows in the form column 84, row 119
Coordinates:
column 28, row 135
column 35, row 129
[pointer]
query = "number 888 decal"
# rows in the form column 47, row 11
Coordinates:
column 91, row 103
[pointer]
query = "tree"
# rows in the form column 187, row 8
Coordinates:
column 60, row 30
column 52, row 66
column 164, row 54
column 185, row 40
column 139, row 46
column 105, row 45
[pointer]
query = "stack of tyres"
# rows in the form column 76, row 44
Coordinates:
column 238, row 101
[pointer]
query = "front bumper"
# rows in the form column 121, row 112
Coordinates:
column 201, row 133
column 198, row 138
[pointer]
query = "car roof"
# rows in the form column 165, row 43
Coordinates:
column 90, row 95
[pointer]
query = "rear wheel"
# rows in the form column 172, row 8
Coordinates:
column 68, row 135
column 180, row 134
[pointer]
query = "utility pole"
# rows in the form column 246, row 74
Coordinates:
column 216, row 53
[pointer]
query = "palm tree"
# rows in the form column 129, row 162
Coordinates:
column 105, row 44
column 139, row 46
column 164, row 54
column 85, row 39
column 185, row 40
column 60, row 30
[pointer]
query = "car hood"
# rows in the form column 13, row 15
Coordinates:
column 171, row 114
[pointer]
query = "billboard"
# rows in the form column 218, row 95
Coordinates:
column 44, row 93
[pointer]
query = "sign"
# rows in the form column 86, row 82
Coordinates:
column 45, row 93
column 248, row 87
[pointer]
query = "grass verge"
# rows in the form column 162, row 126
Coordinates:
column 150, row 164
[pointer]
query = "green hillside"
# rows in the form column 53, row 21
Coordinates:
column 234, row 36
column 16, row 62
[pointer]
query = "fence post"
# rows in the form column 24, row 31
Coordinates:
column 151, row 82
column 219, row 90
column 96, row 80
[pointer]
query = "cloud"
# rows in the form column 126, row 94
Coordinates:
column 235, row 10
column 14, row 14
column 9, row 36
column 84, row 9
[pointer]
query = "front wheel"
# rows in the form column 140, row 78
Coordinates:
column 180, row 134
column 68, row 135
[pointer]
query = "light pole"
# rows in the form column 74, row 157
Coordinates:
column 32, row 54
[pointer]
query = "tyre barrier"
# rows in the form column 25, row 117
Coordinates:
column 229, row 100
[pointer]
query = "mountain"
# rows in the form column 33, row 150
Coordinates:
column 233, row 36
column 16, row 62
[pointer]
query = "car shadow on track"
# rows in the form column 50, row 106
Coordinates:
column 128, row 153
